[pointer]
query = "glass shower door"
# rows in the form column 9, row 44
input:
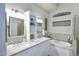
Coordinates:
column 76, row 35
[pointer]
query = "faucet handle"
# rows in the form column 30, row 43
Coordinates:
column 69, row 40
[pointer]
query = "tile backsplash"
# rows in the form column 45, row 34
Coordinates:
column 60, row 36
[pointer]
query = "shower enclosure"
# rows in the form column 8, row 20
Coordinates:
column 76, row 36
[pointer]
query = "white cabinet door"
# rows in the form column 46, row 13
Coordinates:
column 38, row 50
column 53, row 51
column 45, row 49
column 33, row 51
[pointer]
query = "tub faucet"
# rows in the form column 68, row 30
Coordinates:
column 69, row 40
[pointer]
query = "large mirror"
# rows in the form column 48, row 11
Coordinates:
column 15, row 30
column 16, row 27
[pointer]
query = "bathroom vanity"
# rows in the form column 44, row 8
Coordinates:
column 39, row 47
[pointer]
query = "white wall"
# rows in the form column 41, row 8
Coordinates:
column 37, row 11
column 28, row 6
column 72, row 7
column 2, row 30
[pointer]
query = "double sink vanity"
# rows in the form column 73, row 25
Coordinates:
column 41, row 47
column 36, row 47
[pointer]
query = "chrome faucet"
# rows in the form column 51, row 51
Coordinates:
column 69, row 40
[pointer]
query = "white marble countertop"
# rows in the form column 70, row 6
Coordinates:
column 61, row 44
column 13, row 49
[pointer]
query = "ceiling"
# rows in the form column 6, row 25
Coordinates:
column 18, row 6
column 47, row 7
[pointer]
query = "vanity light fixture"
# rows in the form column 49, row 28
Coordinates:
column 17, row 11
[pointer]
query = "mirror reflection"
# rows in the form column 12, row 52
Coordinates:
column 16, row 27
column 15, row 30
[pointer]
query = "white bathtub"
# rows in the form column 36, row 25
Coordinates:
column 61, row 43
column 60, row 48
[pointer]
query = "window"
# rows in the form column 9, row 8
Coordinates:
column 62, row 14
column 62, row 23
